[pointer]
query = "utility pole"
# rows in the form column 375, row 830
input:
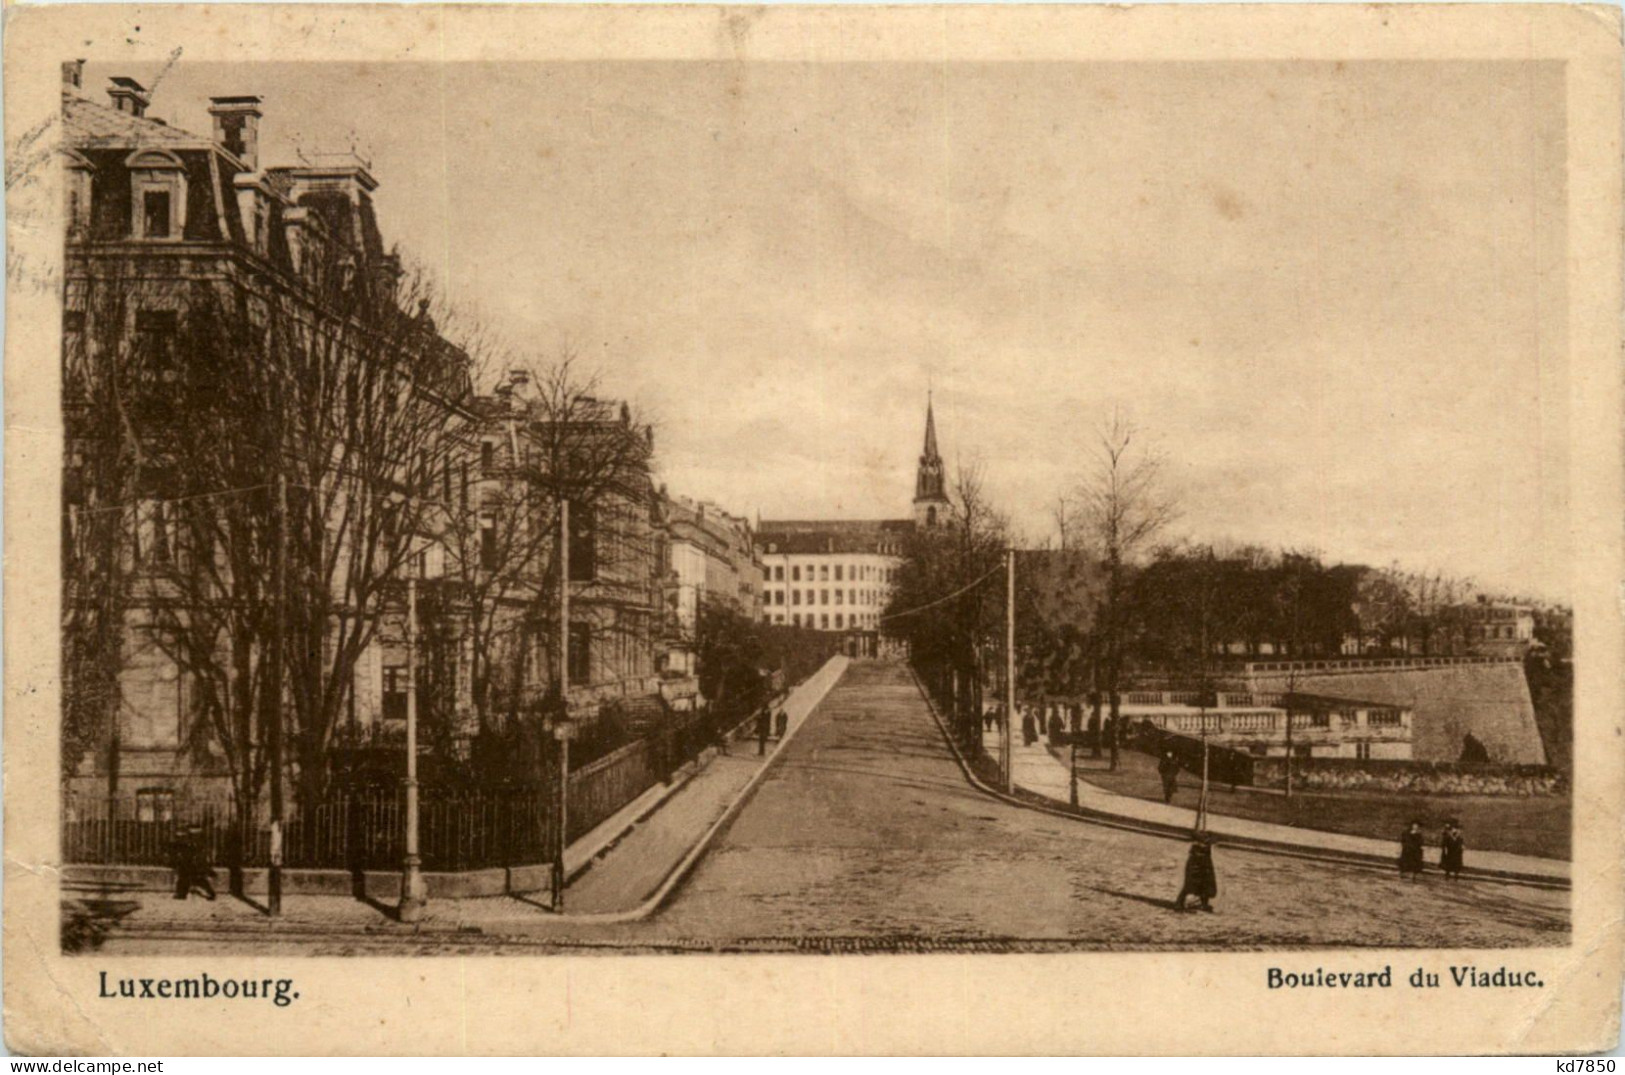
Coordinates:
column 561, row 727
column 1009, row 668
column 413, row 894
column 273, row 900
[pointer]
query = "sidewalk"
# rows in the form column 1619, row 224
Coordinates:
column 1036, row 770
column 619, row 870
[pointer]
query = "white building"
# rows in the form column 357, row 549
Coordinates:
column 710, row 556
column 837, row 575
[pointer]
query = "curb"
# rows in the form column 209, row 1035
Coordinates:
column 652, row 903
column 678, row 873
column 1240, row 843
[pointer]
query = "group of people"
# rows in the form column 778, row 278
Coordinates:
column 1452, row 850
column 1036, row 721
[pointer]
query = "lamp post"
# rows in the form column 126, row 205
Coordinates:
column 414, row 896
column 562, row 728
column 1009, row 668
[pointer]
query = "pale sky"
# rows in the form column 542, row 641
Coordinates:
column 1333, row 294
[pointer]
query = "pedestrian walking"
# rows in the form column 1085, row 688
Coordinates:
column 1452, row 850
column 1029, row 726
column 1168, row 769
column 781, row 724
column 192, row 867
column 1410, row 852
column 764, row 721
column 1057, row 730
column 990, row 717
column 1200, row 880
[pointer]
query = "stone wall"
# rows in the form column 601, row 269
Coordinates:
column 1431, row 778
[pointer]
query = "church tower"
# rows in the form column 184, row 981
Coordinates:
column 931, row 505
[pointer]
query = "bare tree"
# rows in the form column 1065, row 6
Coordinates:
column 545, row 438
column 1124, row 507
column 103, row 386
column 303, row 436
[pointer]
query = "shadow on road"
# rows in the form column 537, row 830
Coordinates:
column 1150, row 901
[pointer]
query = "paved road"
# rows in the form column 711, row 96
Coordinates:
column 866, row 835
column 868, row 828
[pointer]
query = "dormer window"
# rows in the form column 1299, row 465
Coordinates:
column 155, row 208
column 157, row 195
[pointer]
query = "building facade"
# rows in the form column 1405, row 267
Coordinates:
column 837, row 575
column 710, row 558
column 198, row 278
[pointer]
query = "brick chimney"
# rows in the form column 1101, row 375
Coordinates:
column 129, row 96
column 237, row 127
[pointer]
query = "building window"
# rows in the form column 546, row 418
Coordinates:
column 795, row 597
column 394, row 692
column 778, row 574
column 823, row 572
column 162, row 548
column 795, row 619
column 837, row 621
column 155, row 214
column 838, row 595
column 1362, row 750
column 488, row 543
column 795, row 573
column 837, row 572
column 583, row 543
column 155, row 332
column 823, row 598
column 580, row 653
column 488, row 455
column 155, row 805
column 823, row 620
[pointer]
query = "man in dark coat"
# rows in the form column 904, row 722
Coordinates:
column 1168, row 769
column 1410, row 852
column 781, row 724
column 1029, row 726
column 1452, row 850
column 1200, row 880
column 192, row 869
column 764, row 724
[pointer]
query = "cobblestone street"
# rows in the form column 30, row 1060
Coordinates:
column 866, row 836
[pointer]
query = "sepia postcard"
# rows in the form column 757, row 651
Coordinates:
column 813, row 530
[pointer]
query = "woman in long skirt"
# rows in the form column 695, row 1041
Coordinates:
column 1410, row 852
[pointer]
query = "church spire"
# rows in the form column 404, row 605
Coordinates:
column 930, row 499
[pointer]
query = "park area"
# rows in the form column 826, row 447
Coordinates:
column 1524, row 825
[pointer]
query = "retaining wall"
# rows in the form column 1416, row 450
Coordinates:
column 1489, row 701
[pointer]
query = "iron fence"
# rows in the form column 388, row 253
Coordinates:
column 362, row 828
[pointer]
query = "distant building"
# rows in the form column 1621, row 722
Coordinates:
column 1495, row 628
column 837, row 575
column 1322, row 727
column 710, row 558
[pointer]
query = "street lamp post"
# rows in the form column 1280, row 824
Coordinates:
column 414, row 897
column 562, row 728
column 1009, row 668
